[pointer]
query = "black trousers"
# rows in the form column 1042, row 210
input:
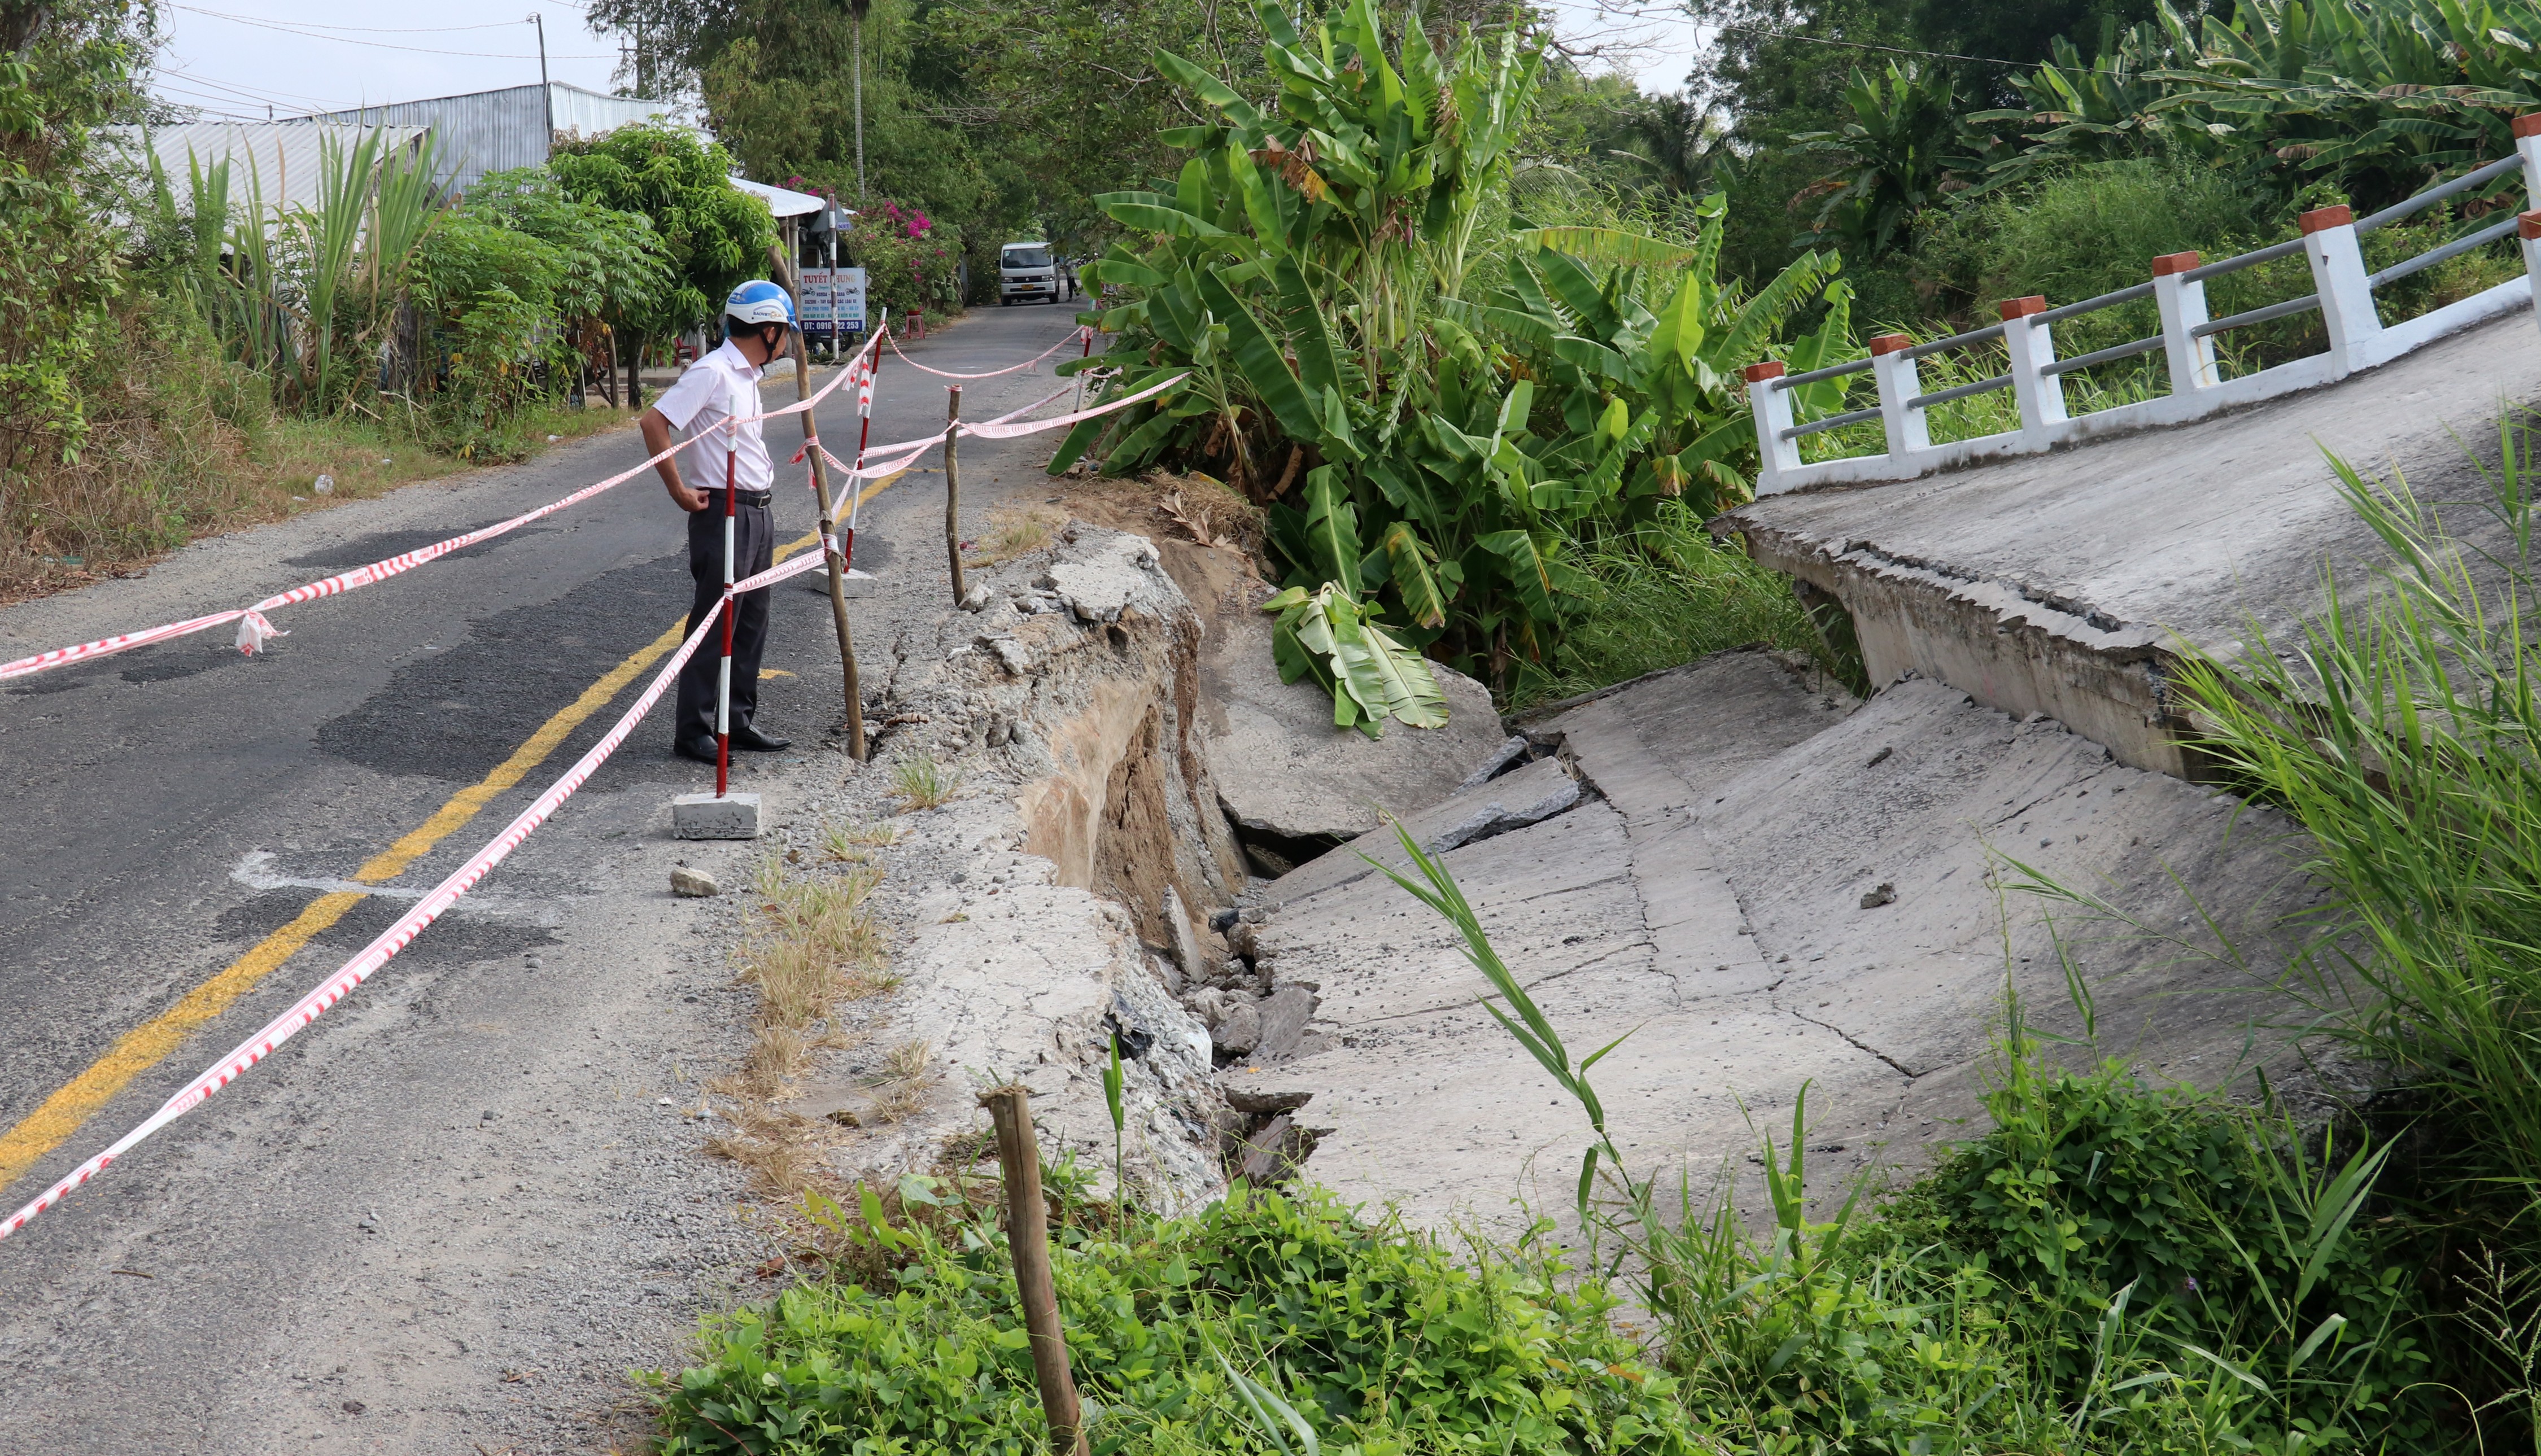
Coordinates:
column 754, row 547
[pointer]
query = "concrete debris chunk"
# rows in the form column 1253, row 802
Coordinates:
column 1239, row 1030
column 976, row 597
column 693, row 884
column 1099, row 585
column 1283, row 1018
column 1258, row 1103
column 1283, row 770
column 1498, row 762
column 1186, row 945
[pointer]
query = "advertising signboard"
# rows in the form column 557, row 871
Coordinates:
column 833, row 301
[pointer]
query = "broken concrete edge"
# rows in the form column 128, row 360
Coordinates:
column 2011, row 648
column 1057, row 902
column 1529, row 795
column 1291, row 782
column 1535, row 717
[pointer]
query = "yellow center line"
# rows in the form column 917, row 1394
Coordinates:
column 142, row 1048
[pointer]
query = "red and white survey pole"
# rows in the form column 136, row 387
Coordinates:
column 865, row 432
column 723, row 682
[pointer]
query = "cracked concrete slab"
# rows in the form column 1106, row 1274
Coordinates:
column 1708, row 902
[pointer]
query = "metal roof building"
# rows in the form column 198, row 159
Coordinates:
column 495, row 130
column 278, row 160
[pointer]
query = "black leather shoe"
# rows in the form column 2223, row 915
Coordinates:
column 700, row 748
column 747, row 736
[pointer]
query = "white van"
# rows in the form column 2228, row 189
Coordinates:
column 1025, row 272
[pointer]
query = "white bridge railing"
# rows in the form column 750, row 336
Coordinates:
column 2342, row 291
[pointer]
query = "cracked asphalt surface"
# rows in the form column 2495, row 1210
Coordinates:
column 463, row 1204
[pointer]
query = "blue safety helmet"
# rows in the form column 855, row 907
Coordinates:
column 758, row 302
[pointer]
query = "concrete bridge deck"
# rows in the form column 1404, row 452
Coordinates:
column 2064, row 583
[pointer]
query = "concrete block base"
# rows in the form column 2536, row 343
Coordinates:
column 705, row 817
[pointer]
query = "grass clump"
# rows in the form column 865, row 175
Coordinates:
column 815, row 945
column 920, row 782
column 1387, row 1342
column 855, row 840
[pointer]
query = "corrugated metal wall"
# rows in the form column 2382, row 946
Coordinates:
column 280, row 159
column 496, row 131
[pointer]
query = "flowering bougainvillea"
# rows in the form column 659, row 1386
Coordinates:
column 910, row 261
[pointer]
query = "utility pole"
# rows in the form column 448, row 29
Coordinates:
column 859, row 10
column 547, row 94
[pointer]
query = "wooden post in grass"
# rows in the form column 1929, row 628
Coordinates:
column 953, row 487
column 1028, row 1236
column 855, row 723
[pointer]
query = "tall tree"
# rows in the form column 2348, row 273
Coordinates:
column 716, row 234
column 64, row 68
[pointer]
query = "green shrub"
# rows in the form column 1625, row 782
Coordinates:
column 1372, row 1331
column 2224, row 1227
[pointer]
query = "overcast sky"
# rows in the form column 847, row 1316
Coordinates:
column 238, row 58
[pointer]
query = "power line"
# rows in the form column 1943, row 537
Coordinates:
column 365, row 30
column 212, row 104
column 248, row 93
column 381, row 44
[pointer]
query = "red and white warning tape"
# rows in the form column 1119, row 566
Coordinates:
column 254, row 628
column 397, row 937
column 1080, row 334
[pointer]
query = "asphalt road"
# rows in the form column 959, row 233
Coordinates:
column 457, row 1209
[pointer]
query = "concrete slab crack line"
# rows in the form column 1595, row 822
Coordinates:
column 1902, row 1068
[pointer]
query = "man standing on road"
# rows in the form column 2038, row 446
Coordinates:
column 724, row 386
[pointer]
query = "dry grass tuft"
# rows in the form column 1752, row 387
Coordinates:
column 782, row 1150
column 899, row 1090
column 1211, row 511
column 1015, row 531
column 855, row 840
column 816, row 946
column 923, row 783
column 819, row 945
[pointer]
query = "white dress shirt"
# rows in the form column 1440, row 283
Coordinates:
column 719, row 387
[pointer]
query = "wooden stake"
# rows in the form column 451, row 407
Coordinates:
column 1028, row 1235
column 953, row 488
column 856, row 702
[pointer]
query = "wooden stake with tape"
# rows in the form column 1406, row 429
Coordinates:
column 1028, row 1236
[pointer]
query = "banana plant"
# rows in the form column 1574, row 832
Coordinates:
column 1435, row 403
column 1893, row 159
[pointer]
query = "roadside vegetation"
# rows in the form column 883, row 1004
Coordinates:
column 185, row 354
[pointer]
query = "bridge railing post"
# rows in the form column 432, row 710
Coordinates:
column 2527, row 231
column 2338, row 272
column 1898, row 382
column 2527, row 143
column 2032, row 345
column 2181, row 301
column 1771, row 405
